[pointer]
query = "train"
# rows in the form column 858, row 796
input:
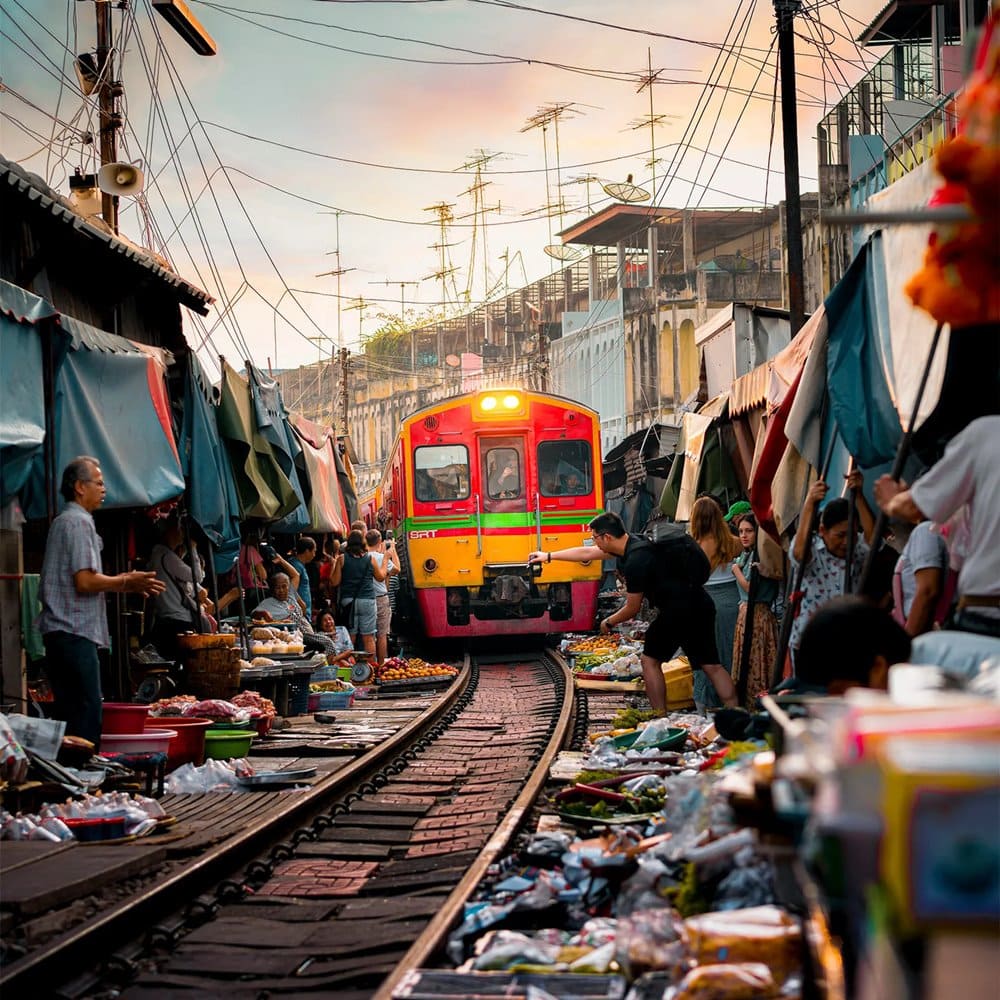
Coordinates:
column 473, row 484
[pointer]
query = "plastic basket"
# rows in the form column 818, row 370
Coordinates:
column 321, row 701
column 298, row 694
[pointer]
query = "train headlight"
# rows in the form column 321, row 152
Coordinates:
column 511, row 402
column 488, row 403
column 430, row 565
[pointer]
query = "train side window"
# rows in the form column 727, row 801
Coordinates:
column 441, row 472
column 503, row 474
column 565, row 468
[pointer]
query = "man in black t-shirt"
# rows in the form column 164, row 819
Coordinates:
column 686, row 616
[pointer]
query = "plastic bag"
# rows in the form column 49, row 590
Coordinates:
column 759, row 934
column 747, row 981
column 649, row 940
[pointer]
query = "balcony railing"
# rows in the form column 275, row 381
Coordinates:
column 905, row 73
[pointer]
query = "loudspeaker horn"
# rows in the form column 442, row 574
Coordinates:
column 120, row 178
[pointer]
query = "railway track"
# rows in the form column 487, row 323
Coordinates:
column 360, row 884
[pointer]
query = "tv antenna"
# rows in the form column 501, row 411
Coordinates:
column 587, row 179
column 652, row 120
column 478, row 215
column 549, row 114
column 445, row 216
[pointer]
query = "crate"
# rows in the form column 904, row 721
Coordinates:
column 298, row 694
column 321, row 701
column 213, row 673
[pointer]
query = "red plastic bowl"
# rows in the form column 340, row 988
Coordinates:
column 188, row 747
column 150, row 741
column 123, row 717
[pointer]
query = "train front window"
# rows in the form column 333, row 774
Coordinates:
column 441, row 472
column 504, row 480
column 565, row 468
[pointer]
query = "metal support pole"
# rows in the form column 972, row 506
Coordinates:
column 902, row 454
column 785, row 11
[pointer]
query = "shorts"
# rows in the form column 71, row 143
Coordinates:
column 383, row 614
column 363, row 618
column 688, row 624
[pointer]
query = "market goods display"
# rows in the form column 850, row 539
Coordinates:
column 398, row 669
column 266, row 641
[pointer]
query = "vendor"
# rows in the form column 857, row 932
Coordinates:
column 178, row 608
column 341, row 637
column 848, row 642
column 283, row 606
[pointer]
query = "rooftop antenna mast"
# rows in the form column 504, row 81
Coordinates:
column 337, row 272
column 445, row 216
column 549, row 114
column 478, row 215
column 651, row 120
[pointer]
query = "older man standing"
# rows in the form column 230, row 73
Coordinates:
column 74, row 621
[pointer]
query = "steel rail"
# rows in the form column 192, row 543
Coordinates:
column 432, row 938
column 47, row 965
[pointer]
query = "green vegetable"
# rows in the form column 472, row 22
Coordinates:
column 689, row 896
column 629, row 718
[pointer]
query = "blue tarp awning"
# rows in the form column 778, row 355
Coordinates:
column 110, row 401
column 22, row 401
column 212, row 498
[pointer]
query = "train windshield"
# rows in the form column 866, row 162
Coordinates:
column 441, row 472
column 565, row 468
column 503, row 474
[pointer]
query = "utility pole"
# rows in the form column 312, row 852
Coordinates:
column 110, row 119
column 543, row 355
column 784, row 12
column 345, row 365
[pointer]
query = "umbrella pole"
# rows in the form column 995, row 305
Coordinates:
column 852, row 530
column 902, row 454
column 791, row 601
column 744, row 679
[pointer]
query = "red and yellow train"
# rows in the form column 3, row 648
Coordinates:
column 473, row 484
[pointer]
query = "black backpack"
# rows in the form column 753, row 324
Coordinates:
column 686, row 564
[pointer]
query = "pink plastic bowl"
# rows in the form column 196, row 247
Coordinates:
column 123, row 717
column 151, row 741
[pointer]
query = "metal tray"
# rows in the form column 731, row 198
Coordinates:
column 264, row 779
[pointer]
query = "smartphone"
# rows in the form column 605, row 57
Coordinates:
column 388, row 535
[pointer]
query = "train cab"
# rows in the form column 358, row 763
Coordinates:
column 476, row 483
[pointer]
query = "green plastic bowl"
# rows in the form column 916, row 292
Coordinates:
column 223, row 744
column 674, row 740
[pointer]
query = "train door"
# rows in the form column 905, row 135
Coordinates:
column 503, row 474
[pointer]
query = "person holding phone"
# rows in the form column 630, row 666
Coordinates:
column 382, row 553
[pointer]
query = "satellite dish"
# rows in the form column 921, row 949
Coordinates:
column 561, row 252
column 626, row 191
column 453, row 361
column 120, row 178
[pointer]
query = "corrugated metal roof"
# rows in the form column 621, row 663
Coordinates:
column 36, row 190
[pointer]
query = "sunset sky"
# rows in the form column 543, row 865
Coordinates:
column 371, row 109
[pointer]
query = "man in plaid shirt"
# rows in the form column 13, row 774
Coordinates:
column 74, row 621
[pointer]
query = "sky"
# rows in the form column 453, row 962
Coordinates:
column 321, row 121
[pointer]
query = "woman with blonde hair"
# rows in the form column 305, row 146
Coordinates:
column 709, row 529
